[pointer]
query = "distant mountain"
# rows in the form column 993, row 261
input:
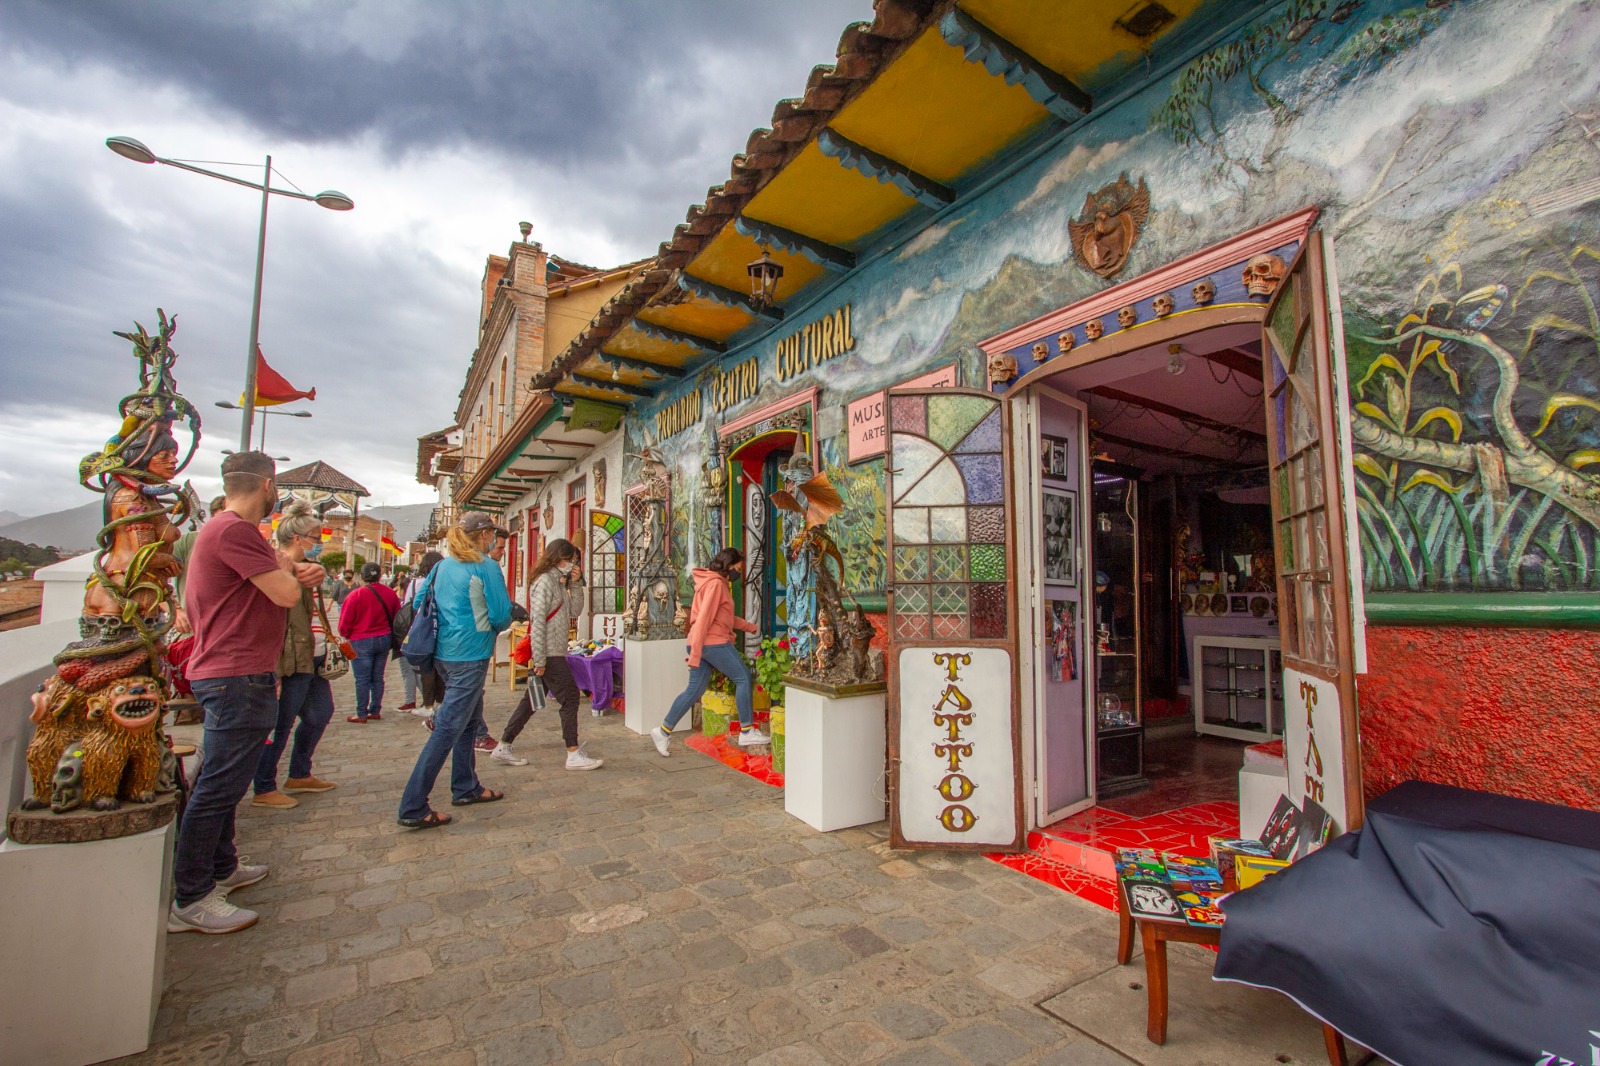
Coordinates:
column 8, row 517
column 72, row 530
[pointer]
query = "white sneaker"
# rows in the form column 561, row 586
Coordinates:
column 502, row 753
column 579, row 760
column 750, row 738
column 243, row 874
column 661, row 740
column 210, row 914
column 423, row 711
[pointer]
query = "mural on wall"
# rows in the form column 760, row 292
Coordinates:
column 860, row 528
column 1457, row 167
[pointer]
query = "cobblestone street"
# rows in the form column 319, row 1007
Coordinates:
column 655, row 911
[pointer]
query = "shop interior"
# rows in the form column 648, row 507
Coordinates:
column 1179, row 633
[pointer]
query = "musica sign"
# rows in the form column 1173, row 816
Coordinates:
column 865, row 421
column 957, row 770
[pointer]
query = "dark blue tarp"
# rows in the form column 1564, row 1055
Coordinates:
column 1456, row 927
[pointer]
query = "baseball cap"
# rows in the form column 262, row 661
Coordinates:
column 370, row 572
column 477, row 522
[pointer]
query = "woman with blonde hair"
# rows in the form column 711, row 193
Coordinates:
column 552, row 601
column 472, row 609
column 303, row 694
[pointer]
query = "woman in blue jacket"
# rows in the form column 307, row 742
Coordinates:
column 469, row 592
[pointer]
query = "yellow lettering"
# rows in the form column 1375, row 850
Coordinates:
column 957, row 787
column 952, row 660
column 954, row 753
column 957, row 819
column 827, row 337
column 951, row 693
column 953, row 723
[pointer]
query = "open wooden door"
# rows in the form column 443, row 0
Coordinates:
column 1321, row 744
column 954, row 749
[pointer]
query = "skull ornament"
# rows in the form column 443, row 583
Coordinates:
column 1041, row 352
column 1127, row 316
column 1205, row 290
column 1093, row 328
column 1163, row 305
column 1262, row 275
column 1065, row 342
column 1003, row 366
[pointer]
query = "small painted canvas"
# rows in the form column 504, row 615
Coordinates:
column 1061, row 639
column 1060, row 536
column 1282, row 832
column 1055, row 456
column 1153, row 900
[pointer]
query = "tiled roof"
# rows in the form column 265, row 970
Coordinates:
column 319, row 475
column 864, row 50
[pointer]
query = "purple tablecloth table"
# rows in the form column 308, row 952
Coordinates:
column 597, row 674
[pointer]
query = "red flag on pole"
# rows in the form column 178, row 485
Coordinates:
column 272, row 388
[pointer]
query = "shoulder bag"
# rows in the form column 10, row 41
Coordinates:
column 336, row 659
column 422, row 639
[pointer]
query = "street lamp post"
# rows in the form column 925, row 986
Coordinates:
column 333, row 200
column 264, row 413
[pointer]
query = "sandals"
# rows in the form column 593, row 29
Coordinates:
column 432, row 820
column 485, row 795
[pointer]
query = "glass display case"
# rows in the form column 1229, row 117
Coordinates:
column 1239, row 687
column 1114, row 632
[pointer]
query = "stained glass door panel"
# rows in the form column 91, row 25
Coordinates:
column 608, row 557
column 1314, row 601
column 755, row 550
column 950, row 610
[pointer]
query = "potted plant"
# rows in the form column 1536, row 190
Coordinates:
column 772, row 663
column 716, row 706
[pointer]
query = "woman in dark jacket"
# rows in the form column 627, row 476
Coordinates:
column 303, row 694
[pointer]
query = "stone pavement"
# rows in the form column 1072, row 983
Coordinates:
column 656, row 911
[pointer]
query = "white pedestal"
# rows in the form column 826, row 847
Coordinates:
column 85, row 934
column 654, row 673
column 1260, row 785
column 834, row 758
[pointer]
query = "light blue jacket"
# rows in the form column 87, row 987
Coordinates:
column 473, row 608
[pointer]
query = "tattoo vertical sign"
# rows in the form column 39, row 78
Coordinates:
column 957, row 746
column 1313, row 742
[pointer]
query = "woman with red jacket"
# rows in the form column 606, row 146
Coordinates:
column 366, row 620
column 711, row 626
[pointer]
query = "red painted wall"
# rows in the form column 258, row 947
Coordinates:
column 1514, row 711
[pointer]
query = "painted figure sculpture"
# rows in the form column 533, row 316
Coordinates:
column 98, row 739
column 653, row 592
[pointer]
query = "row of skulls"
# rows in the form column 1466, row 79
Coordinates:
column 1262, row 275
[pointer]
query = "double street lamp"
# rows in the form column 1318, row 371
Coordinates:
column 333, row 200
column 265, row 411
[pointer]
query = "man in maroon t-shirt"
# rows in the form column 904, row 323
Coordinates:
column 237, row 592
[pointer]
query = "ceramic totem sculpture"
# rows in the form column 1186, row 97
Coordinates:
column 98, row 740
column 837, row 648
column 653, row 592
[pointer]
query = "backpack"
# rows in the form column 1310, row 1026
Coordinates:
column 422, row 633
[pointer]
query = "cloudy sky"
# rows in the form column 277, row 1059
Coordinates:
column 599, row 121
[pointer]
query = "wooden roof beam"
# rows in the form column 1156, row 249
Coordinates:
column 717, row 294
column 824, row 255
column 674, row 336
column 1169, row 453
column 886, row 171
column 644, row 366
column 1055, row 93
column 614, row 386
column 1242, row 362
column 1118, row 396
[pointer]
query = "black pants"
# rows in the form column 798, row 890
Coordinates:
column 558, row 682
column 432, row 687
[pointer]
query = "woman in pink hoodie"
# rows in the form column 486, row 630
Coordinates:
column 711, row 626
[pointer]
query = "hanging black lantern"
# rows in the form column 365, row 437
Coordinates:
column 764, row 275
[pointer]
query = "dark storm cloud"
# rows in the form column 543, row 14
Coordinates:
column 583, row 84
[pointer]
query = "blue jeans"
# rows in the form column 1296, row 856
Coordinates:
column 308, row 698
column 240, row 714
column 372, row 655
column 725, row 659
column 452, row 735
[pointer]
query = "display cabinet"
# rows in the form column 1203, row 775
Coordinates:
column 1114, row 634
column 1238, row 687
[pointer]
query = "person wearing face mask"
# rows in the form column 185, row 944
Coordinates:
column 237, row 595
column 553, row 599
column 711, row 626
column 471, row 608
column 303, row 695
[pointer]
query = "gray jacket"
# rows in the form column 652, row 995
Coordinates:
column 551, row 609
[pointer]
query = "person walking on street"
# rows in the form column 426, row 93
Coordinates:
column 711, row 626
column 553, row 598
column 237, row 597
column 472, row 609
column 333, row 589
column 429, row 684
column 304, row 696
column 367, row 621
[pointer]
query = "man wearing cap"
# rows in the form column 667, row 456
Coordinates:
column 367, row 621
column 472, row 609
